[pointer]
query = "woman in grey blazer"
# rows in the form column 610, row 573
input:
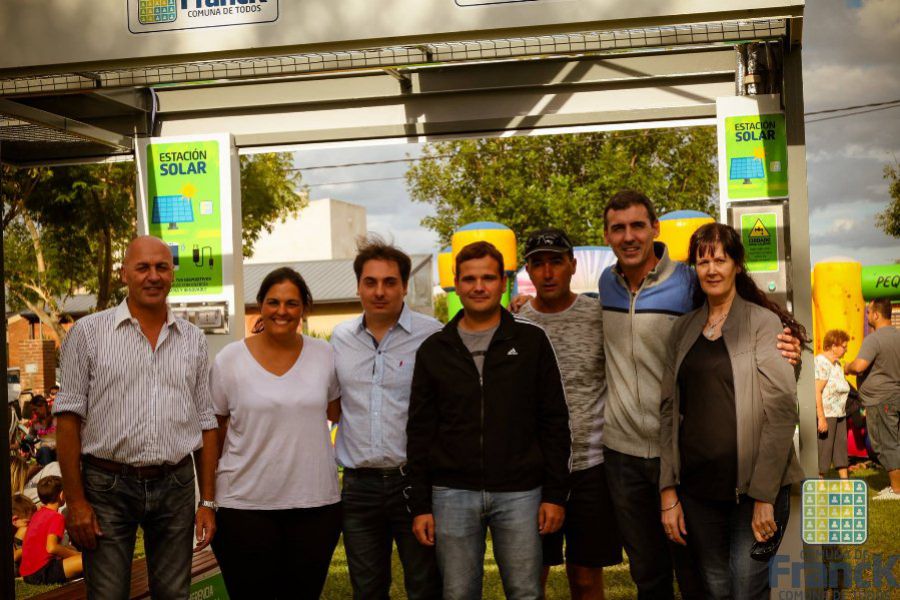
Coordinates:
column 727, row 421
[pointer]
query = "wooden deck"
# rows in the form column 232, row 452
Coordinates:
column 202, row 563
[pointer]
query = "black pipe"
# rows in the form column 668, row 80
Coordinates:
column 7, row 571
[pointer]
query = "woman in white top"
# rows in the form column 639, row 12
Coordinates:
column 832, row 389
column 276, row 485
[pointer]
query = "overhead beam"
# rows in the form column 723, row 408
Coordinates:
column 57, row 122
column 456, row 99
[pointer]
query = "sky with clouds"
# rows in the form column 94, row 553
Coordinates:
column 850, row 54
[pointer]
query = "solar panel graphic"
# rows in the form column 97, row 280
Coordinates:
column 746, row 168
column 172, row 210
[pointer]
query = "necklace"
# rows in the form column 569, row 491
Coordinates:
column 710, row 331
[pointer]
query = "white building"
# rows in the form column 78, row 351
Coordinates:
column 326, row 229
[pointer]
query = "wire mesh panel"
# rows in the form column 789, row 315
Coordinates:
column 619, row 40
column 15, row 130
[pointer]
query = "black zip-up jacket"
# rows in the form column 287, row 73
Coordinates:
column 507, row 431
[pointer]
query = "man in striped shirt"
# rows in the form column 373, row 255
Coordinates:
column 133, row 405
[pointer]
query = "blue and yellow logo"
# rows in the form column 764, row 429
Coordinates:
column 156, row 11
column 835, row 511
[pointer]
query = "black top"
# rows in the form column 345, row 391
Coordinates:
column 708, row 434
column 506, row 431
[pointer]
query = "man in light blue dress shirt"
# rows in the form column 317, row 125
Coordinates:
column 374, row 356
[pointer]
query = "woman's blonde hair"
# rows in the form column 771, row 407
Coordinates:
column 18, row 474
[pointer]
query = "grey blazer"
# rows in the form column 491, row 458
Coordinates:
column 765, row 400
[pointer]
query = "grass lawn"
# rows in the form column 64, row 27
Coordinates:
column 884, row 539
column 618, row 581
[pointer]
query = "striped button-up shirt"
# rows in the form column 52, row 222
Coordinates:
column 375, row 381
column 139, row 405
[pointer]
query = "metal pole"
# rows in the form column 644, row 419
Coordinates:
column 800, row 259
column 7, row 572
column 792, row 545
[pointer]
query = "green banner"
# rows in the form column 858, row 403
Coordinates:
column 209, row 588
column 759, row 232
column 756, row 156
column 184, row 210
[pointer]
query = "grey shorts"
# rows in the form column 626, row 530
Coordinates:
column 883, row 421
column 833, row 445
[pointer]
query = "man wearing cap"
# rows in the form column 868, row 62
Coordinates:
column 574, row 324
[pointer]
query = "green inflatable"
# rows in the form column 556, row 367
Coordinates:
column 881, row 281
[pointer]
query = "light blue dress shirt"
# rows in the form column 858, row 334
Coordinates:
column 375, row 382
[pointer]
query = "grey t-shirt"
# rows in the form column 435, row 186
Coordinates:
column 477, row 342
column 881, row 349
column 577, row 337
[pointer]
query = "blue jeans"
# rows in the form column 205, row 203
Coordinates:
column 462, row 518
column 720, row 537
column 164, row 509
column 375, row 516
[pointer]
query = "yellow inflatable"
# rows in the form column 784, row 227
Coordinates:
column 445, row 268
column 838, row 302
column 676, row 229
column 499, row 235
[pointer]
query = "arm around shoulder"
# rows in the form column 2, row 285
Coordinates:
column 779, row 403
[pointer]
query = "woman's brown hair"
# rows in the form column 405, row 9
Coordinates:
column 704, row 242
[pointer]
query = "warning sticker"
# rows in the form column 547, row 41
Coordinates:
column 759, row 232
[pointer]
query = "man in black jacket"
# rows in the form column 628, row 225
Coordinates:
column 487, row 437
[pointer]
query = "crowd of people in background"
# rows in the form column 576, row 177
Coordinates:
column 659, row 420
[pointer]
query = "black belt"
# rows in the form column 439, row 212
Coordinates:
column 372, row 472
column 148, row 472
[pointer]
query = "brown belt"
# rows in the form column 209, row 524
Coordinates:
column 148, row 472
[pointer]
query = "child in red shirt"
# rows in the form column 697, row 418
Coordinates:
column 44, row 559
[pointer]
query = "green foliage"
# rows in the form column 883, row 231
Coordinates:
column 441, row 313
column 65, row 229
column 528, row 182
column 89, row 211
column 270, row 191
column 889, row 220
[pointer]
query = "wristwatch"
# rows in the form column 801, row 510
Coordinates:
column 210, row 504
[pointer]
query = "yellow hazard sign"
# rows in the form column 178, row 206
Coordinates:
column 759, row 230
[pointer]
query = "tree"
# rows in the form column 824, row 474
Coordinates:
column 40, row 272
column 270, row 191
column 889, row 220
column 91, row 211
column 65, row 229
column 439, row 302
column 562, row 181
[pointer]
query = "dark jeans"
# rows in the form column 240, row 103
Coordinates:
column 720, row 537
column 276, row 554
column 634, row 487
column 375, row 514
column 163, row 508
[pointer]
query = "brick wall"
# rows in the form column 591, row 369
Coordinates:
column 42, row 355
column 17, row 330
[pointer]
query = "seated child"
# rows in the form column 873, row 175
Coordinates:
column 44, row 559
column 22, row 511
